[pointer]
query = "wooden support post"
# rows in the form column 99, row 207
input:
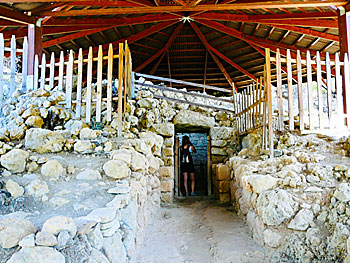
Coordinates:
column 79, row 84
column 269, row 100
column 329, row 90
column 279, row 90
column 34, row 48
column 88, row 86
column 290, row 91
column 209, row 166
column 309, row 88
column 120, row 89
column 52, row 70
column 13, row 65
column 344, row 44
column 319, row 89
column 69, row 80
column 99, row 84
column 24, row 65
column 300, row 91
column 339, row 88
column 109, row 84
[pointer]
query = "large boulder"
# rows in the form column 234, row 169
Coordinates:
column 53, row 168
column 56, row 224
column 276, row 206
column 342, row 193
column 116, row 169
column 259, row 183
column 43, row 141
column 15, row 160
column 187, row 118
column 222, row 133
column 37, row 255
column 302, row 220
column 12, row 231
column 165, row 129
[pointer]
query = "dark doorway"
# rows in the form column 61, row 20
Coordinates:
column 200, row 161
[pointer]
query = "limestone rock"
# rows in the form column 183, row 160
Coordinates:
column 16, row 132
column 275, row 206
column 30, row 112
column 42, row 141
column 15, row 160
column 27, row 241
column 116, row 169
column 139, row 163
column 222, row 133
column 37, row 188
column 122, row 154
column 57, row 224
column 89, row 174
column 154, row 164
column 34, row 121
column 37, row 255
column 74, row 126
column 165, row 129
column 87, row 133
column 12, row 231
column 97, row 257
column 302, row 220
column 342, row 192
column 272, row 238
column 45, row 239
column 53, row 168
column 14, row 188
column 103, row 215
column 187, row 118
column 259, row 183
column 95, row 238
column 114, row 249
column 83, row 146
column 166, row 172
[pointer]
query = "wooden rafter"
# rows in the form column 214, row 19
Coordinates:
column 15, row 16
column 222, row 56
column 163, row 50
column 164, row 9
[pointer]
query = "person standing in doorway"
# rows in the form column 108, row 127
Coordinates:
column 187, row 167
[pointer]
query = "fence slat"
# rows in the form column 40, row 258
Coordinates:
column 319, row 88
column 52, row 71
column 347, row 87
column 60, row 71
column 279, row 90
column 109, row 85
column 329, row 90
column 309, row 89
column 269, row 99
column 339, row 88
column 290, row 91
column 36, row 72
column 79, row 83
column 69, row 80
column 2, row 53
column 88, row 86
column 300, row 91
column 24, row 65
column 120, row 89
column 13, row 65
column 43, row 71
column 99, row 84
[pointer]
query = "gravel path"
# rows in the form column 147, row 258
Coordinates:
column 198, row 230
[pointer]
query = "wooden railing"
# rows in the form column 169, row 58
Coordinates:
column 15, row 76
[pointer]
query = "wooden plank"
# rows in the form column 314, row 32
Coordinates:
column 24, row 65
column 13, row 65
column 43, row 71
column 290, row 91
column 88, row 86
column 209, row 165
column 176, row 165
column 79, row 83
column 260, row 97
column 109, row 84
column 309, row 88
column 300, row 91
column 244, row 106
column 99, row 84
column 339, row 88
column 69, row 80
column 60, row 71
column 120, row 90
column 126, row 68
column 36, row 72
column 183, row 82
column 319, row 89
column 347, row 87
column 2, row 55
column 133, row 85
column 52, row 71
column 279, row 90
column 269, row 98
column 329, row 90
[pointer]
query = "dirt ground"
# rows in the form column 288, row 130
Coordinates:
column 198, row 230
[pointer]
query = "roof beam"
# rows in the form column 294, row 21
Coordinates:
column 162, row 51
column 123, row 21
column 15, row 16
column 217, row 61
column 300, row 19
column 262, row 42
column 211, row 7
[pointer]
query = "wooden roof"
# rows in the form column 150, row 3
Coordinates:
column 211, row 41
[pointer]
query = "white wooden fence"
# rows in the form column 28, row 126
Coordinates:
column 9, row 72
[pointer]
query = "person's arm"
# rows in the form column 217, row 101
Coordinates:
column 193, row 149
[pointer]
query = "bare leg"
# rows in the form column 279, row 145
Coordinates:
column 192, row 182
column 185, row 183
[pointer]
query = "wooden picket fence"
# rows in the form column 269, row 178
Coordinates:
column 12, row 52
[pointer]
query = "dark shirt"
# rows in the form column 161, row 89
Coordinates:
column 186, row 155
